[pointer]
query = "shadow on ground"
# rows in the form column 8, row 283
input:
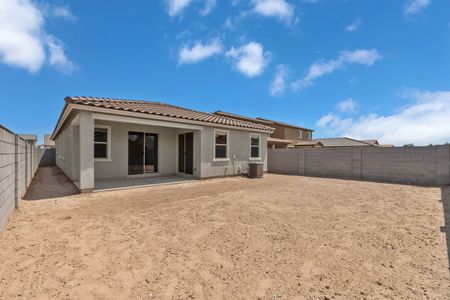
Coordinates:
column 50, row 182
column 445, row 195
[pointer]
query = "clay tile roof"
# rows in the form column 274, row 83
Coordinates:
column 162, row 109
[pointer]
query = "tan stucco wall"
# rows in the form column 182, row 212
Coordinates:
column 279, row 131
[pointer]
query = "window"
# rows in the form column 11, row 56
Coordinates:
column 102, row 137
column 255, row 146
column 309, row 135
column 300, row 134
column 221, row 145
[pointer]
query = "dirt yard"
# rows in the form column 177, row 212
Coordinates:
column 284, row 237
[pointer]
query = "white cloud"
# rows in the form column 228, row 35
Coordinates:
column 278, row 84
column 209, row 6
column 321, row 68
column 58, row 58
column 422, row 122
column 249, row 59
column 362, row 57
column 23, row 40
column 416, row 6
column 347, row 105
column 63, row 12
column 199, row 52
column 275, row 8
column 176, row 7
column 353, row 26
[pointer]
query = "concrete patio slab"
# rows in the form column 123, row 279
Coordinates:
column 108, row 184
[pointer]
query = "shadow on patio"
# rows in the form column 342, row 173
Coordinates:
column 107, row 184
column 50, row 182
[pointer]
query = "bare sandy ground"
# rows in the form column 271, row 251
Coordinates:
column 283, row 237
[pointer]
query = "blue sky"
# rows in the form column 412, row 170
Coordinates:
column 364, row 69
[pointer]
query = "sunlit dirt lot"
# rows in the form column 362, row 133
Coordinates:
column 285, row 237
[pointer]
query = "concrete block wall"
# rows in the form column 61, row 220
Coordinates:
column 414, row 165
column 284, row 161
column 7, row 175
column 411, row 165
column 18, row 163
column 329, row 162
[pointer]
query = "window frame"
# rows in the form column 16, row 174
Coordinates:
column 300, row 134
column 107, row 143
column 227, row 145
column 259, row 146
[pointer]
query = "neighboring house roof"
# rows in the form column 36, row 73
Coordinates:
column 308, row 143
column 284, row 124
column 48, row 140
column 280, row 141
column 372, row 142
column 162, row 109
column 235, row 116
column 341, row 142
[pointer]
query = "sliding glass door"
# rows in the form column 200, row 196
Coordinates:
column 186, row 153
column 142, row 153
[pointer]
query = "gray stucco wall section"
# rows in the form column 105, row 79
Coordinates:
column 239, row 148
column 19, row 160
column 68, row 148
column 204, row 166
column 412, row 165
column 118, row 166
column 67, row 151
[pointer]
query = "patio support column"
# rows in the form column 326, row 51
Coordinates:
column 86, row 152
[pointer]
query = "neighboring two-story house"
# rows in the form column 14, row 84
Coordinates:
column 285, row 135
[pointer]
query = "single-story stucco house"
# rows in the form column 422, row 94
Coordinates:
column 100, row 138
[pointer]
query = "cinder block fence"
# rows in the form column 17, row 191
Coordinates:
column 411, row 165
column 19, row 160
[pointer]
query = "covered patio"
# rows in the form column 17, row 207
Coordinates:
column 130, row 152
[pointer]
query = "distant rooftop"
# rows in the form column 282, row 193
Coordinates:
column 284, row 124
column 29, row 137
column 236, row 116
column 341, row 142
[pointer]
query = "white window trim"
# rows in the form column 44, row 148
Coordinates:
column 259, row 146
column 220, row 131
column 300, row 135
column 108, row 142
